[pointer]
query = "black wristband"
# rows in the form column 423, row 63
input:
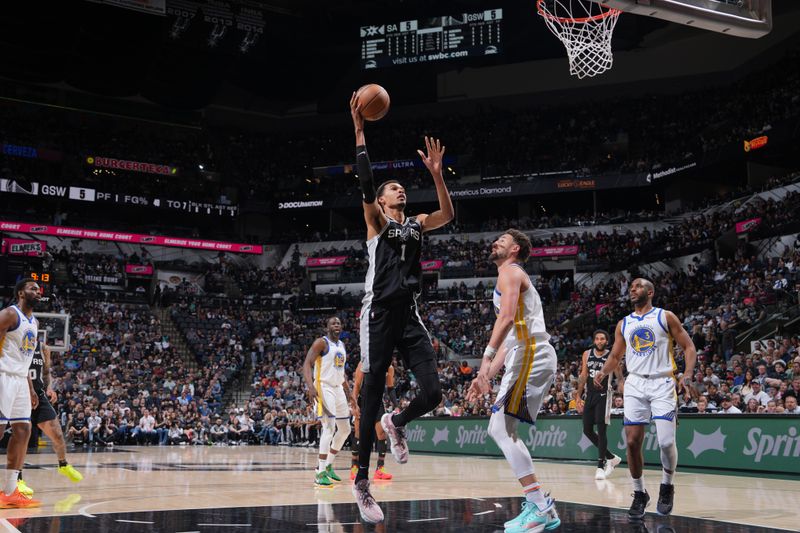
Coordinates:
column 365, row 174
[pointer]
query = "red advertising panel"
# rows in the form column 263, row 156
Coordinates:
column 554, row 251
column 133, row 238
column 326, row 261
column 23, row 247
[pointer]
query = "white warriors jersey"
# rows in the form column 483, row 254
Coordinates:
column 329, row 367
column 17, row 347
column 649, row 349
column 529, row 328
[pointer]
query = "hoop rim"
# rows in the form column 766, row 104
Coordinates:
column 581, row 20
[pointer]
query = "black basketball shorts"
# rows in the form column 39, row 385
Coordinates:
column 44, row 412
column 397, row 325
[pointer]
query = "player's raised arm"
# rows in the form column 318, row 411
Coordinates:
column 373, row 215
column 433, row 162
column 613, row 358
column 684, row 341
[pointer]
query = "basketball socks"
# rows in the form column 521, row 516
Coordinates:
column 666, row 477
column 10, row 484
column 19, row 476
column 331, row 458
column 638, row 484
column 322, row 464
column 354, row 452
column 62, row 462
column 381, row 453
column 533, row 494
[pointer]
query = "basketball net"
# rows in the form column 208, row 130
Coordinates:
column 585, row 29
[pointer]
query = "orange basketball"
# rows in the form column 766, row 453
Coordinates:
column 374, row 101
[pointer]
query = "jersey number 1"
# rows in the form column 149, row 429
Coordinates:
column 402, row 252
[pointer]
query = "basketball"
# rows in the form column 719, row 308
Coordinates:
column 374, row 101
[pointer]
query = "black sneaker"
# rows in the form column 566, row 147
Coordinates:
column 665, row 496
column 640, row 501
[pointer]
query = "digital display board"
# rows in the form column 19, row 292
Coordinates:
column 418, row 41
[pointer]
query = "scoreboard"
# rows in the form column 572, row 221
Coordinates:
column 411, row 42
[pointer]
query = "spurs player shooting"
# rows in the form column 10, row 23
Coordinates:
column 328, row 389
column 597, row 407
column 18, row 338
column 646, row 338
column 45, row 417
column 520, row 337
column 389, row 316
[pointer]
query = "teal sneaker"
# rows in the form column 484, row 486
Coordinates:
column 534, row 520
column 526, row 509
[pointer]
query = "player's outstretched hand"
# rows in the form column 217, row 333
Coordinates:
column 433, row 159
column 355, row 112
column 52, row 396
column 312, row 395
column 478, row 387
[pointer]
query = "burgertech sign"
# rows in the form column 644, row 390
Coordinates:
column 758, row 443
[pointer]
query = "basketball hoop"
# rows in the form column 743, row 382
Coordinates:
column 585, row 29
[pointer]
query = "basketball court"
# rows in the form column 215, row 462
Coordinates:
column 257, row 488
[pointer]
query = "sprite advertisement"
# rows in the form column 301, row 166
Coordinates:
column 767, row 443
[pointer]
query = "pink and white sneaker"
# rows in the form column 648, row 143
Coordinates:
column 370, row 510
column 397, row 439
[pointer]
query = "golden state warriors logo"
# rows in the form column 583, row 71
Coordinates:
column 28, row 345
column 642, row 341
column 338, row 361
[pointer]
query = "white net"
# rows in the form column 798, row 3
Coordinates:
column 585, row 29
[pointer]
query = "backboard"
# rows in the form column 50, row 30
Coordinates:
column 742, row 18
column 56, row 327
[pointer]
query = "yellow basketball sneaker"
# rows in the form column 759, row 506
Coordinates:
column 24, row 489
column 70, row 473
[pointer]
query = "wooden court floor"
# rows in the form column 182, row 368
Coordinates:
column 270, row 488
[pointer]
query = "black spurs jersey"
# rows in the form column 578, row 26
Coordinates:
column 394, row 269
column 595, row 364
column 36, row 369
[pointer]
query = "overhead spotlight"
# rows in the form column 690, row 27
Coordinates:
column 200, row 166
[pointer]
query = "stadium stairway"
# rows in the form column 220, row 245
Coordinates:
column 175, row 337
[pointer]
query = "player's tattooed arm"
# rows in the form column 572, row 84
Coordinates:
column 46, row 378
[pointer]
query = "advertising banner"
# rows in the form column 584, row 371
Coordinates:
column 133, row 166
column 89, row 194
column 554, row 251
column 139, row 270
column 133, row 238
column 747, row 225
column 767, row 443
column 432, row 264
column 326, row 261
column 23, row 247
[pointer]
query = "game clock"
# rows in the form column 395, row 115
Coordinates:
column 39, row 277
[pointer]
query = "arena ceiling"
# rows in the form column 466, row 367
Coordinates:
column 308, row 53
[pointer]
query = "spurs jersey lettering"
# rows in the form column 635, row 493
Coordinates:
column 595, row 364
column 18, row 345
column 649, row 349
column 36, row 369
column 329, row 367
column 394, row 270
column 529, row 327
